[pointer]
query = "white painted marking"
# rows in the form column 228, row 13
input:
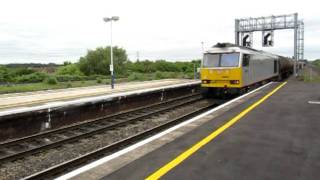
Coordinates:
column 314, row 102
column 54, row 103
column 87, row 100
column 152, row 138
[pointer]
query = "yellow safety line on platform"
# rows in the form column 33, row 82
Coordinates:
column 166, row 168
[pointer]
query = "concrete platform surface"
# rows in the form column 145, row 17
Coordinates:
column 9, row 101
column 279, row 139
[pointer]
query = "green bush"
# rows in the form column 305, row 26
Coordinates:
column 4, row 75
column 32, row 78
column 168, row 75
column 69, row 85
column 69, row 69
column 66, row 78
column 158, row 75
column 51, row 80
column 316, row 62
column 138, row 77
column 99, row 80
column 23, row 71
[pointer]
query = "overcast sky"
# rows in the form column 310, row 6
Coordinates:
column 58, row 30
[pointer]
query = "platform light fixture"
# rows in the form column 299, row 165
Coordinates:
column 110, row 19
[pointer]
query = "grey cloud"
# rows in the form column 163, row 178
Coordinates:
column 171, row 54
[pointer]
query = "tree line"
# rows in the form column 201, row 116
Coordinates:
column 95, row 64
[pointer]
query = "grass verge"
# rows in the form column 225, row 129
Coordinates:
column 310, row 74
column 15, row 88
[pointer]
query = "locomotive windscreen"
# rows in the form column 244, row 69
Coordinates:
column 221, row 60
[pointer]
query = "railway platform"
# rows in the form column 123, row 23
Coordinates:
column 53, row 109
column 28, row 100
column 271, row 133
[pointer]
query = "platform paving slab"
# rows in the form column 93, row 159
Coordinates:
column 277, row 140
column 113, row 165
column 30, row 99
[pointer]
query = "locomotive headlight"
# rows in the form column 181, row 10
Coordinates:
column 234, row 82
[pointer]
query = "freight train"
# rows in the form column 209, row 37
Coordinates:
column 231, row 69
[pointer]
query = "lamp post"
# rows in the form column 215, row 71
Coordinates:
column 202, row 46
column 107, row 19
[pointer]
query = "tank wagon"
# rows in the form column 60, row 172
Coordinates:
column 230, row 69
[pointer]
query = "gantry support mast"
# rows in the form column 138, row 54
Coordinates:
column 245, row 27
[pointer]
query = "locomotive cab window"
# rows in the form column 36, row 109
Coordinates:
column 229, row 60
column 211, row 60
column 221, row 60
column 245, row 60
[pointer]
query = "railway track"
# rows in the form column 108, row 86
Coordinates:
column 27, row 146
column 21, row 147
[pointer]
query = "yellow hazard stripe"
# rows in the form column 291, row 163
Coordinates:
column 166, row 168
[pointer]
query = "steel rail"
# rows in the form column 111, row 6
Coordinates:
column 96, row 130
column 72, row 164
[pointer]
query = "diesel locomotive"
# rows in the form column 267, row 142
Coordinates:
column 231, row 69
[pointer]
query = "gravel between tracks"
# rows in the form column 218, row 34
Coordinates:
column 40, row 161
